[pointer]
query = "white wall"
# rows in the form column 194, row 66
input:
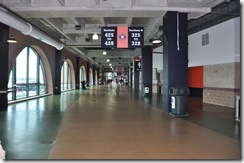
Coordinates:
column 224, row 44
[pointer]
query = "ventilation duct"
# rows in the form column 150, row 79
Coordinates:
column 27, row 29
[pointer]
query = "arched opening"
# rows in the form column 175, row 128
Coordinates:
column 67, row 76
column 96, row 78
column 90, row 77
column 82, row 75
column 27, row 77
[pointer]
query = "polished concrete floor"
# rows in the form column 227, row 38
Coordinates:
column 109, row 122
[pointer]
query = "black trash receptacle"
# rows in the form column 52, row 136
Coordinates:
column 179, row 101
column 83, row 85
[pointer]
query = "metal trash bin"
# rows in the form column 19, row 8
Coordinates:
column 179, row 101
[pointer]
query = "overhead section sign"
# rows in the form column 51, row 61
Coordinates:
column 136, row 37
column 122, row 37
column 109, row 37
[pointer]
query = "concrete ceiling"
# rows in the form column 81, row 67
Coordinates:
column 59, row 18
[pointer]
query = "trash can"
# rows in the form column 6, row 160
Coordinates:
column 146, row 89
column 83, row 85
column 179, row 101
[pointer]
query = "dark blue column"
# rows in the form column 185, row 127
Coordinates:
column 87, row 74
column 175, row 54
column 77, row 73
column 136, row 79
column 57, row 80
column 98, row 74
column 147, row 70
column 94, row 75
column 4, row 34
column 130, row 74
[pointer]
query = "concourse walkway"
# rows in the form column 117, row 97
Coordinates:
column 110, row 122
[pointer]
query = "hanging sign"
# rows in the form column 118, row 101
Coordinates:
column 109, row 37
column 122, row 37
column 136, row 37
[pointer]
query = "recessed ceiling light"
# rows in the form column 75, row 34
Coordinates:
column 95, row 36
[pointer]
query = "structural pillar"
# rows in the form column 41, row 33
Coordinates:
column 4, row 34
column 175, row 54
column 94, row 75
column 77, row 73
column 57, row 80
column 87, row 74
column 98, row 74
column 130, row 74
column 136, row 78
column 147, row 70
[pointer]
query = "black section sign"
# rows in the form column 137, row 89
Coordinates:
column 109, row 37
column 137, row 65
column 136, row 37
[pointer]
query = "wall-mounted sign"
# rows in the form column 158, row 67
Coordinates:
column 137, row 65
column 122, row 37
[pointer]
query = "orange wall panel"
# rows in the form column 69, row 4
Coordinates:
column 195, row 77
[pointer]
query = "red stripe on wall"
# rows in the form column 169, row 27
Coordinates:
column 195, row 77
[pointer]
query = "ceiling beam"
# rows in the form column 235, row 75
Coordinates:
column 28, row 3
column 58, row 26
column 129, row 21
column 109, row 9
column 81, row 22
column 103, row 21
column 62, row 2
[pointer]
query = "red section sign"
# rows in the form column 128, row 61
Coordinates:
column 122, row 37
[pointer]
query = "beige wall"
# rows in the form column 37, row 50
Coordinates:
column 221, row 84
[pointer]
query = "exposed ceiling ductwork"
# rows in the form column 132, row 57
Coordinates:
column 11, row 20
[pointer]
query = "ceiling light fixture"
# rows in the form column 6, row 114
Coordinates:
column 108, row 60
column 104, row 53
column 95, row 36
column 11, row 39
column 156, row 41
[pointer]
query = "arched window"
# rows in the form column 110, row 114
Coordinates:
column 66, row 79
column 90, row 77
column 81, row 76
column 27, row 77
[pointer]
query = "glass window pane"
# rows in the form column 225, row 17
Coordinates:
column 42, row 87
column 21, row 91
column 21, row 67
column 32, row 90
column 10, row 85
column 66, row 80
column 32, row 67
column 34, row 83
column 21, row 74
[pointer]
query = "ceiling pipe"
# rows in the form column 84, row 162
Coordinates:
column 11, row 20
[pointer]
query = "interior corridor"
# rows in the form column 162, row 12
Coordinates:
column 110, row 122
